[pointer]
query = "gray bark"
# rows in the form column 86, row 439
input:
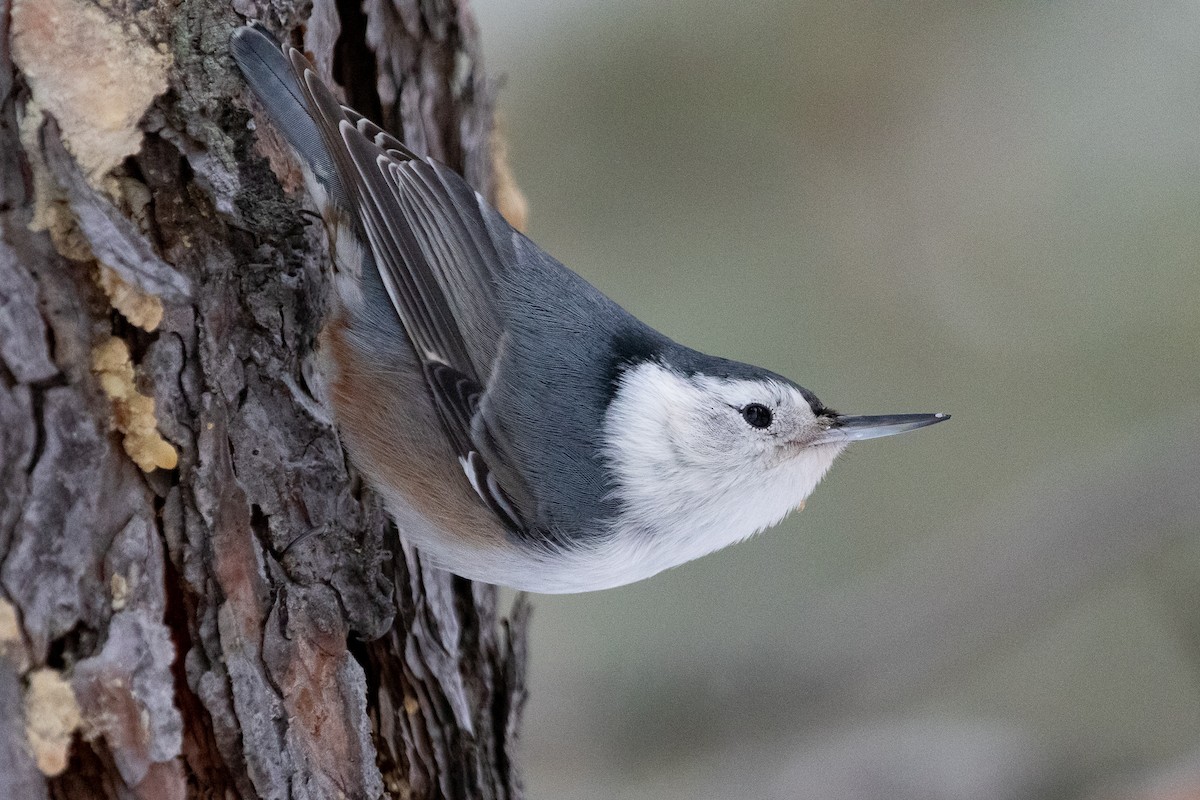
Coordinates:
column 177, row 632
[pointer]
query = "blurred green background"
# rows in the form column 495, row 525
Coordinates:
column 990, row 209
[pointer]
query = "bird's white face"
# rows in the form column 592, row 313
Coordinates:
column 699, row 462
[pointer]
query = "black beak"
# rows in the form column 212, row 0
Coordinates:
column 853, row 429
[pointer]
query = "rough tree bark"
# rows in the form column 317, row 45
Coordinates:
column 167, row 628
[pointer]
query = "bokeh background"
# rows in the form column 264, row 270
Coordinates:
column 988, row 208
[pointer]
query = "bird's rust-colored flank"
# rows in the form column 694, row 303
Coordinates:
column 393, row 440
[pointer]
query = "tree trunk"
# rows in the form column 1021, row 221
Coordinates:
column 198, row 595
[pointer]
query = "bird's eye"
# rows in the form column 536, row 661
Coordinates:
column 757, row 415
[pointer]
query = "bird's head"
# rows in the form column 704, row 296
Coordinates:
column 723, row 449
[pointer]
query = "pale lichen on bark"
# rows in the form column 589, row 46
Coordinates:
column 51, row 718
column 92, row 72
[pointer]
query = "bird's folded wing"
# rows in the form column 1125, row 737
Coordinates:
column 437, row 260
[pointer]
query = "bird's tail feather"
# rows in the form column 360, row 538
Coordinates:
column 276, row 85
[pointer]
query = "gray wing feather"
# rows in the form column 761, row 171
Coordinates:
column 432, row 246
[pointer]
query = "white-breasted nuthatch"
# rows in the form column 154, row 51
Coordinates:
column 522, row 428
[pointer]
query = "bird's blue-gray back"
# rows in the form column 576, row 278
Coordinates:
column 559, row 334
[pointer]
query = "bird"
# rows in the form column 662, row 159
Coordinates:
column 521, row 427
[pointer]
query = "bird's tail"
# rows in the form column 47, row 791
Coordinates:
column 275, row 81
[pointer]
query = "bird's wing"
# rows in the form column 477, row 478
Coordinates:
column 428, row 232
